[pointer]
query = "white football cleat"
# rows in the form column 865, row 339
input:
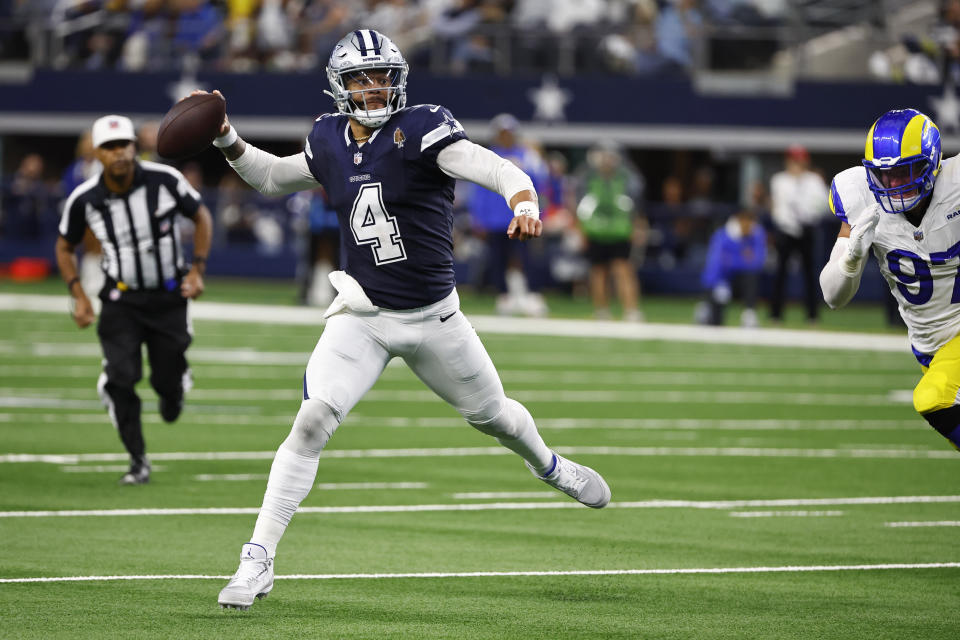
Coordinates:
column 254, row 579
column 577, row 481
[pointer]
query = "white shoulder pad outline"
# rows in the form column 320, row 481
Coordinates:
column 850, row 194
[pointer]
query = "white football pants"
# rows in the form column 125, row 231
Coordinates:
column 439, row 345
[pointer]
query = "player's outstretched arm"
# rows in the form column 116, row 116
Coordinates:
column 265, row 172
column 465, row 160
column 840, row 278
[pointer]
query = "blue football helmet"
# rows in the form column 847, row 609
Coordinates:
column 902, row 158
column 372, row 61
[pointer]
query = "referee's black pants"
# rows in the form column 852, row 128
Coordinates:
column 158, row 320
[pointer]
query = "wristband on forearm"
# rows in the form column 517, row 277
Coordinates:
column 226, row 139
column 74, row 280
column 528, row 209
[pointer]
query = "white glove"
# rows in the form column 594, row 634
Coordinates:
column 861, row 238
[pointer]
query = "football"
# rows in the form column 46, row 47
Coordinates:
column 190, row 126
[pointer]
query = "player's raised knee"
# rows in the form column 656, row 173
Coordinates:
column 934, row 392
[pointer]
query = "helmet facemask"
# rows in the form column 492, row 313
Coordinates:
column 370, row 95
column 899, row 188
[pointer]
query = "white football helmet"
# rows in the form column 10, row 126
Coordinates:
column 358, row 54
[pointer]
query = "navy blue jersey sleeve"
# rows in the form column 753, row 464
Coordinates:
column 73, row 222
column 324, row 132
column 438, row 129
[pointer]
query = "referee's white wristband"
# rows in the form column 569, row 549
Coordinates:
column 527, row 208
column 226, row 139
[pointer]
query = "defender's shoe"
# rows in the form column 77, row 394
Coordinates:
column 254, row 579
column 577, row 481
column 170, row 409
column 139, row 472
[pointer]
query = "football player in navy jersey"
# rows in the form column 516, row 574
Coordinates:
column 389, row 171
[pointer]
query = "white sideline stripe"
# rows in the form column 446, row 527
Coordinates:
column 108, row 468
column 749, row 452
column 931, row 523
column 511, row 574
column 504, row 495
column 775, row 514
column 399, row 372
column 250, row 313
column 491, row 506
column 508, row 358
column 576, row 396
column 330, row 486
column 358, row 420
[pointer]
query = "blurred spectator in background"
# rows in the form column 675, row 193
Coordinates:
column 673, row 223
column 198, row 30
column 678, row 32
column 608, row 213
column 323, row 23
column 507, row 265
column 148, row 40
column 29, row 203
column 565, row 243
column 733, row 266
column 798, row 198
column 147, row 142
column 84, row 167
column 321, row 250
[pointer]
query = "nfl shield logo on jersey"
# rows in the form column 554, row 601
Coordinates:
column 918, row 235
column 357, row 158
column 399, row 138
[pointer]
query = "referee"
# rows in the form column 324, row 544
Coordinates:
column 132, row 208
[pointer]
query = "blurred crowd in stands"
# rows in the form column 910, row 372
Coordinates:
column 450, row 36
column 603, row 231
column 928, row 56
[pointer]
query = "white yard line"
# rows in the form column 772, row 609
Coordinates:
column 925, row 523
column 43, row 397
column 504, row 495
column 491, row 506
column 104, row 468
column 779, row 514
column 358, row 420
column 250, row 313
column 512, row 574
column 292, row 374
column 748, row 452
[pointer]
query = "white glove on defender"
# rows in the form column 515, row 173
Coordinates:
column 861, row 238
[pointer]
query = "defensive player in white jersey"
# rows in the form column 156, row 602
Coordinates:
column 904, row 204
column 389, row 171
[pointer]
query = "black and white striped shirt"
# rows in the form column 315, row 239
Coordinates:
column 138, row 229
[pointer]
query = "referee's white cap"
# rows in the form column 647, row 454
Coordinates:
column 110, row 128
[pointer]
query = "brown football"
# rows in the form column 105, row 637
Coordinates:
column 190, row 126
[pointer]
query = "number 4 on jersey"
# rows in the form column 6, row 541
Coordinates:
column 371, row 224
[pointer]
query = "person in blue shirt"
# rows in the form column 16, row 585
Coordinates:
column 507, row 266
column 734, row 262
column 389, row 172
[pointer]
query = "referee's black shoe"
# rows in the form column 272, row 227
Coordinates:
column 170, row 409
column 139, row 472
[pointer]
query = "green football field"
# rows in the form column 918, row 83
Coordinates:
column 758, row 492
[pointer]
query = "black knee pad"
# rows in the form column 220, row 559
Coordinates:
column 946, row 422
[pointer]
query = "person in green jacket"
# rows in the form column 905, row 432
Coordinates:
column 609, row 218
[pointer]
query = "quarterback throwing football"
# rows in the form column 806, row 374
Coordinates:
column 904, row 204
column 389, row 171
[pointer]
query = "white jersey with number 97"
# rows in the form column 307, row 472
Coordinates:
column 921, row 264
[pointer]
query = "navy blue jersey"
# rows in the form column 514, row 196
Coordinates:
column 393, row 203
